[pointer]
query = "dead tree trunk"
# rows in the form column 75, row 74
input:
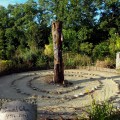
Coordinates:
column 57, row 47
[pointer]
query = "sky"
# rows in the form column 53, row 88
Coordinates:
column 5, row 3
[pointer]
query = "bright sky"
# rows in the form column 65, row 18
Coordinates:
column 5, row 3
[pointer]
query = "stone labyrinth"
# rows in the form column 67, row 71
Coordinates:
column 60, row 99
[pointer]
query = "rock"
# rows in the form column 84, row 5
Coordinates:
column 95, row 87
column 34, row 88
column 81, row 94
column 17, row 110
column 76, row 87
column 76, row 96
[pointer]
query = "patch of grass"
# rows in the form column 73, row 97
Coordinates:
column 101, row 111
column 72, row 60
column 104, row 110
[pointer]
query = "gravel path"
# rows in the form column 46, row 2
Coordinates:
column 55, row 98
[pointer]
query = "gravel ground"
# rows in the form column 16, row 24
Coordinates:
column 57, row 99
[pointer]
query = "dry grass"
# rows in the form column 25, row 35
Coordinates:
column 48, row 78
column 106, row 63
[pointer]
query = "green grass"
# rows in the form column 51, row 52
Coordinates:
column 101, row 111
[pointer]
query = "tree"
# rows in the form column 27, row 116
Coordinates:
column 101, row 51
column 70, row 40
column 57, row 44
column 3, row 25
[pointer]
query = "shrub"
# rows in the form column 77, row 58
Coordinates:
column 82, row 60
column 49, row 50
column 72, row 60
column 5, row 65
column 86, row 48
column 101, row 50
column 101, row 111
column 42, row 61
column 106, row 63
column 109, row 62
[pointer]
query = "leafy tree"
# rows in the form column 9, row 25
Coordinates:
column 86, row 48
column 101, row 50
column 3, row 26
column 87, row 24
column 70, row 40
column 114, row 45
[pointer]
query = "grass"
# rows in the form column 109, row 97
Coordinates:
column 101, row 111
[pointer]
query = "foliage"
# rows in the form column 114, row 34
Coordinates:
column 106, row 63
column 70, row 38
column 103, row 111
column 49, row 50
column 42, row 62
column 114, row 46
column 86, row 48
column 72, row 60
column 90, row 28
column 101, row 50
column 5, row 64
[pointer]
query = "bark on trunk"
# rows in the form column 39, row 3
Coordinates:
column 57, row 47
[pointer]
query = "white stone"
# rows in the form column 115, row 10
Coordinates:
column 81, row 94
column 76, row 95
column 118, row 60
column 93, row 89
column 76, row 87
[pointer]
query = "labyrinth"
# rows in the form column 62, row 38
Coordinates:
column 57, row 99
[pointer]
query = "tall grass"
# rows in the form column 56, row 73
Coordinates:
column 101, row 111
column 72, row 60
column 104, row 110
column 5, row 65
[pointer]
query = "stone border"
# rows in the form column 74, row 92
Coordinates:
column 65, row 97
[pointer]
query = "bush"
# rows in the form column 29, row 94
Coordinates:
column 101, row 50
column 103, row 111
column 5, row 65
column 49, row 50
column 72, row 60
column 86, row 48
column 106, row 63
column 42, row 62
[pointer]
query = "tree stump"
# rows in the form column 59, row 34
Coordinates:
column 57, row 47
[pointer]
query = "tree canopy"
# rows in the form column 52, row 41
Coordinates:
column 90, row 27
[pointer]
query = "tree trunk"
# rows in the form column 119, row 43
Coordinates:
column 57, row 47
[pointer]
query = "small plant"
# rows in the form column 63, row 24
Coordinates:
column 106, row 63
column 5, row 65
column 101, row 111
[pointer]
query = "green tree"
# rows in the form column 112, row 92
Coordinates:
column 3, row 25
column 70, row 38
column 114, row 45
column 101, row 51
column 86, row 48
